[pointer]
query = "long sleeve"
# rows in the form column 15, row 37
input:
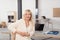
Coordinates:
column 12, row 27
column 32, row 31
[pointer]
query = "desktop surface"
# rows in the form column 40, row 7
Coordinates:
column 42, row 34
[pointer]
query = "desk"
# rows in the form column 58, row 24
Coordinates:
column 43, row 35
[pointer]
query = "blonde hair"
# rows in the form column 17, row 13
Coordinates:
column 31, row 20
column 28, row 10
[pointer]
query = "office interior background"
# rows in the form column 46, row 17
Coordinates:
column 45, row 8
column 12, row 10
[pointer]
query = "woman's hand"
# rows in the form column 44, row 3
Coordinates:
column 23, row 33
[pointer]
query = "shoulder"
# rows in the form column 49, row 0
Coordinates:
column 33, row 20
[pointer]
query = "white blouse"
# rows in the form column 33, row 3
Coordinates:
column 21, row 26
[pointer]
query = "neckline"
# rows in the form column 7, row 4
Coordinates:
column 25, row 23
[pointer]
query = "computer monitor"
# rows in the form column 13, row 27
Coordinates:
column 39, row 27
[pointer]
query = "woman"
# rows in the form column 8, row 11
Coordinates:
column 24, row 28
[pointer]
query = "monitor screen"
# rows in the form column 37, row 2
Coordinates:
column 39, row 27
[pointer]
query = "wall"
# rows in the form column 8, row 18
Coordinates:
column 46, row 9
column 28, row 4
column 11, row 5
column 5, row 7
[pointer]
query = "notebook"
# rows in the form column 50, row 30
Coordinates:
column 53, row 32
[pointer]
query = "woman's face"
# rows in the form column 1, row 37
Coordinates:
column 27, row 16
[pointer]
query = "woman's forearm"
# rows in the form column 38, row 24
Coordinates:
column 23, row 33
column 27, row 34
column 20, row 33
column 13, row 35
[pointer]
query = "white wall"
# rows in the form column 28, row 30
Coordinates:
column 46, row 9
column 5, row 7
column 11, row 5
column 28, row 4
